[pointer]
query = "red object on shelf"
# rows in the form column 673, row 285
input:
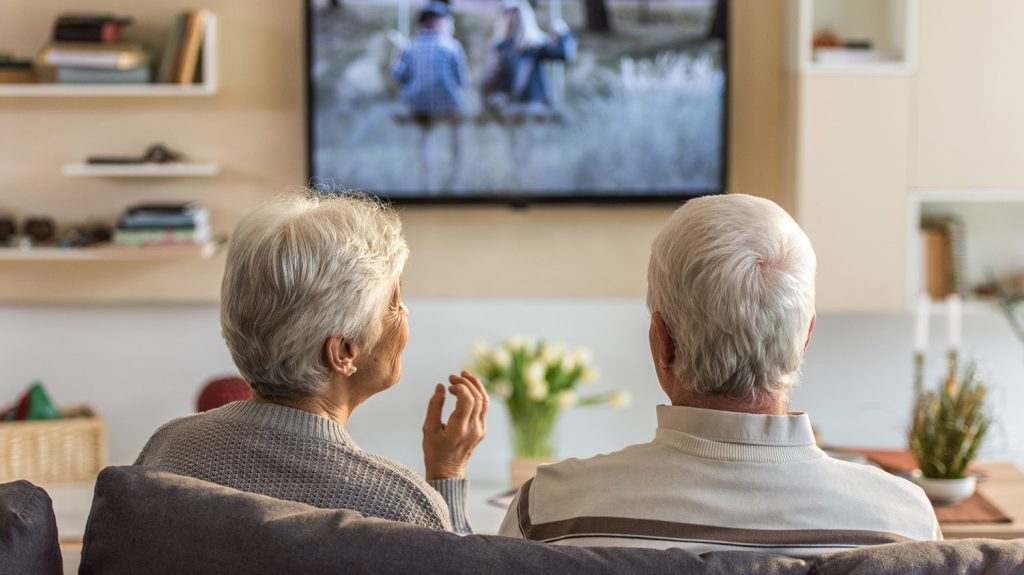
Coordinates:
column 222, row 391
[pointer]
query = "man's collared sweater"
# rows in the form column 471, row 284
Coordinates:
column 717, row 480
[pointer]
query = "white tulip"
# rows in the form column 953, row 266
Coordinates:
column 537, row 390
column 621, row 400
column 589, row 375
column 568, row 362
column 501, row 389
column 517, row 342
column 501, row 357
column 479, row 349
column 552, row 352
column 566, row 399
column 535, row 372
column 584, row 356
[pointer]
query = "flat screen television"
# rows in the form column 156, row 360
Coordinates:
column 516, row 101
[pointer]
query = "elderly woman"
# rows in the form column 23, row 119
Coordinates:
column 311, row 310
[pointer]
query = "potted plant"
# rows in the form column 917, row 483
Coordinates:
column 948, row 427
column 537, row 380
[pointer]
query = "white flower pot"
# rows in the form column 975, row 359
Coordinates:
column 945, row 491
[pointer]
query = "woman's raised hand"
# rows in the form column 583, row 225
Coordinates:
column 447, row 446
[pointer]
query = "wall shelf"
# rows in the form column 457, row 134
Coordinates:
column 113, row 253
column 208, row 86
column 147, row 170
column 993, row 246
column 889, row 25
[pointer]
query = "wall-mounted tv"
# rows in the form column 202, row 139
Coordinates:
column 518, row 101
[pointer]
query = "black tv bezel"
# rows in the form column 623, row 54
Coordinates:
column 524, row 200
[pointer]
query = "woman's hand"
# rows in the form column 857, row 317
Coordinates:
column 447, row 446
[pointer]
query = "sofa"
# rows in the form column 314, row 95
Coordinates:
column 149, row 521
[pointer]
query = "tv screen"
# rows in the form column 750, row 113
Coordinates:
column 518, row 101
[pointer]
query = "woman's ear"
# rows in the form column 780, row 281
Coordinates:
column 810, row 330
column 340, row 355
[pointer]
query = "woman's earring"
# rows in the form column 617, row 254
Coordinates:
column 350, row 369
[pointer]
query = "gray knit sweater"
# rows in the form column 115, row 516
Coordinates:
column 295, row 455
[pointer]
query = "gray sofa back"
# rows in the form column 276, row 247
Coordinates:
column 28, row 531
column 149, row 521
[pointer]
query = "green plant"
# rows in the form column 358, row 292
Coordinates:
column 949, row 424
column 537, row 380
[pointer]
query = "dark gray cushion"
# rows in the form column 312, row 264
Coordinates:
column 147, row 521
column 28, row 530
column 963, row 557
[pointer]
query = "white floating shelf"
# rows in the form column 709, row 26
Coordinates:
column 147, row 170
column 112, row 253
column 105, row 90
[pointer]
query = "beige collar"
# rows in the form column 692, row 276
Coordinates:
column 733, row 436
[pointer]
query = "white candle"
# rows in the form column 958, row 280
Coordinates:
column 955, row 323
column 921, row 323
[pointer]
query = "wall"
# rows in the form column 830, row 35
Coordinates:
column 255, row 128
column 141, row 366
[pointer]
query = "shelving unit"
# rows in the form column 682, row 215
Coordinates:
column 113, row 253
column 208, row 86
column 148, row 170
column 889, row 25
column 993, row 243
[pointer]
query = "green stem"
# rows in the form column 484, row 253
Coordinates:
column 531, row 433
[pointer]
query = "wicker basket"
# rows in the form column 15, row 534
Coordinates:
column 54, row 451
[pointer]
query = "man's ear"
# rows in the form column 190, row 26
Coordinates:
column 810, row 330
column 664, row 345
column 340, row 355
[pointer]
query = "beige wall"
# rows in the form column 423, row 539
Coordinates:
column 970, row 88
column 254, row 128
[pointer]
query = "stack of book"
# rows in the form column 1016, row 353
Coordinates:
column 149, row 225
column 88, row 49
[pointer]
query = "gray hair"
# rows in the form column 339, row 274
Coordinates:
column 733, row 278
column 300, row 270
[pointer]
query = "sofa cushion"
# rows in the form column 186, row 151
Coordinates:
column 148, row 521
column 964, row 557
column 28, row 530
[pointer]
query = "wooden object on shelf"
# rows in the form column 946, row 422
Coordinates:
column 55, row 450
column 208, row 85
column 144, row 170
column 938, row 263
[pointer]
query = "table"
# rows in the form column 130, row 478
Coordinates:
column 1003, row 486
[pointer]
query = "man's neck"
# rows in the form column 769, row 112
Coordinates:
column 763, row 406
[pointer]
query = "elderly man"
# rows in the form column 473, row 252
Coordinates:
column 731, row 296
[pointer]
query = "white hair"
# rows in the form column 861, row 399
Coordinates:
column 300, row 270
column 528, row 35
column 733, row 278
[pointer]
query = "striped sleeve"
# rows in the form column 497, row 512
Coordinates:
column 455, row 492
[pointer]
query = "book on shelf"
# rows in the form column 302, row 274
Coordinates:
column 180, row 63
column 100, row 28
column 190, row 47
column 121, row 56
column 169, row 60
column 942, row 247
column 66, row 75
column 16, row 71
column 162, row 237
column 163, row 225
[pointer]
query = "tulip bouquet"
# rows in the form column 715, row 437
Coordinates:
column 537, row 380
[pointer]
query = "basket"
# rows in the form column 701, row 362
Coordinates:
column 54, row 451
